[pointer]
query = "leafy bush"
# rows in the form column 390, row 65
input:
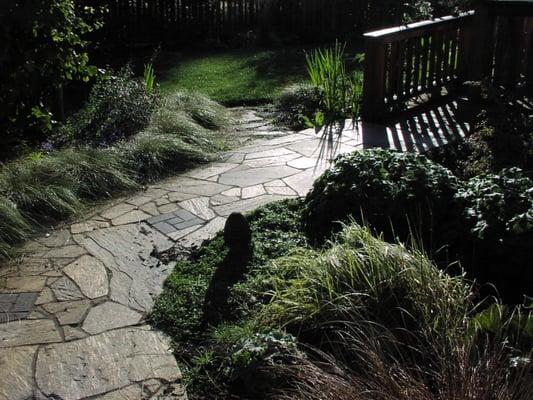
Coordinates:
column 118, row 107
column 296, row 102
column 498, row 210
column 396, row 193
column 495, row 204
column 484, row 223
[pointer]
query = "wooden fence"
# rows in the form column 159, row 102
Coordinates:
column 493, row 43
column 190, row 19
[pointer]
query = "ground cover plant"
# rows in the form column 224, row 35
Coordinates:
column 125, row 136
column 333, row 322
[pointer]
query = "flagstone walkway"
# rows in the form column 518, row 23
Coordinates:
column 73, row 308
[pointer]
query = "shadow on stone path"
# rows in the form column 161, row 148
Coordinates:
column 73, row 308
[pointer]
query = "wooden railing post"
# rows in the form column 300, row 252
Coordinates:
column 529, row 55
column 481, row 54
column 373, row 106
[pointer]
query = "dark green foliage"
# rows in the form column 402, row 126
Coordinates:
column 43, row 47
column 498, row 204
column 396, row 193
column 13, row 226
column 502, row 137
column 486, row 223
column 296, row 102
column 118, row 107
column 179, row 310
column 498, row 211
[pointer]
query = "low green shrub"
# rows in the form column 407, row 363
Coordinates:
column 498, row 211
column 149, row 156
column 193, row 118
column 296, row 102
column 362, row 278
column 13, row 226
column 395, row 193
column 119, row 106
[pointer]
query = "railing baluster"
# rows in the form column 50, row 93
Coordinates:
column 393, row 80
column 417, row 46
column 453, row 55
column 425, row 60
column 408, row 68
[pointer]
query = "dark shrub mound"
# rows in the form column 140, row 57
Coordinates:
column 485, row 223
column 297, row 101
column 498, row 212
column 119, row 106
column 396, row 193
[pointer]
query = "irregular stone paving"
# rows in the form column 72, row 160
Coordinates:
column 73, row 308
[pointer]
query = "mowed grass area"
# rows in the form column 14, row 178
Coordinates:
column 233, row 77
column 242, row 76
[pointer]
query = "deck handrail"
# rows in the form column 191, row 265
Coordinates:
column 493, row 43
column 415, row 29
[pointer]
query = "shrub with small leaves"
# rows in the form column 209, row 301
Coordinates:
column 118, row 107
column 396, row 193
column 297, row 102
column 498, row 211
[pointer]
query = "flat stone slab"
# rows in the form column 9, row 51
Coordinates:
column 68, row 312
column 28, row 332
column 104, row 363
column 109, row 315
column 21, row 284
column 65, row 289
column 90, row 275
column 255, row 176
column 16, row 373
column 127, row 252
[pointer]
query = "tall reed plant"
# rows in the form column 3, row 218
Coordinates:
column 341, row 91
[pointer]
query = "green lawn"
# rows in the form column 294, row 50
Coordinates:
column 233, row 77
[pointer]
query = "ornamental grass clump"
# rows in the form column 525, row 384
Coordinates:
column 361, row 283
column 340, row 91
column 47, row 187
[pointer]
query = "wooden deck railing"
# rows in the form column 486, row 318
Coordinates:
column 404, row 61
column 494, row 43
